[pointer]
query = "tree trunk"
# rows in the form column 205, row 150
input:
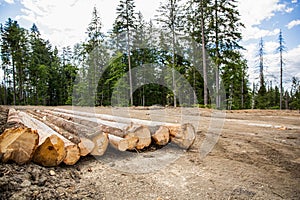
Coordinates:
column 204, row 56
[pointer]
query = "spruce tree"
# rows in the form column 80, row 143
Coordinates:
column 281, row 48
column 126, row 22
column 170, row 15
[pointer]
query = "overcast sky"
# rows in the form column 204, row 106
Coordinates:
column 64, row 22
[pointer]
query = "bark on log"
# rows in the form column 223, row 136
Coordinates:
column 182, row 135
column 18, row 144
column 13, row 120
column 69, row 151
column 102, row 125
column 99, row 138
column 138, row 135
column 72, row 127
column 72, row 137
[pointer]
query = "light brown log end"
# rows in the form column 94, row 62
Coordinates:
column 132, row 141
column 118, row 143
column 161, row 136
column 18, row 144
column 72, row 154
column 86, row 146
column 183, row 136
column 101, row 143
column 51, row 152
column 142, row 133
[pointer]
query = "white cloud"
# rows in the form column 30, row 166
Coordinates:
column 10, row 1
column 289, row 10
column 65, row 22
column 256, row 33
column 293, row 23
column 252, row 14
column 294, row 1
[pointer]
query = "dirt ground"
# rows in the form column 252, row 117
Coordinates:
column 247, row 154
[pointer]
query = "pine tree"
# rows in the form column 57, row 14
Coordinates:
column 126, row 21
column 92, row 60
column 14, row 51
column 170, row 14
column 224, row 36
column 281, row 48
column 262, row 101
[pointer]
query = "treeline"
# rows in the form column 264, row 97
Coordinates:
column 193, row 45
column 34, row 73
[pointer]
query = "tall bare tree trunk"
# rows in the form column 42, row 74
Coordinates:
column 129, row 66
column 173, row 53
column 217, row 57
column 204, row 56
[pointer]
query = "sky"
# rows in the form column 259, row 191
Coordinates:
column 64, row 23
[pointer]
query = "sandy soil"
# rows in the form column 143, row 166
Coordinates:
column 252, row 154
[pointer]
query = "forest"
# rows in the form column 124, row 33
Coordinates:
column 142, row 63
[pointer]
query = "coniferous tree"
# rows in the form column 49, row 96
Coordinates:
column 170, row 14
column 281, row 48
column 262, row 101
column 14, row 51
column 126, row 22
column 224, row 36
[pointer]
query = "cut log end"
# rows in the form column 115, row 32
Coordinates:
column 18, row 144
column 118, row 143
column 51, row 152
column 101, row 143
column 73, row 154
column 161, row 136
column 86, row 146
column 142, row 133
column 183, row 136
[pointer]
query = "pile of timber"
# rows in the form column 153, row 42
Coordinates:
column 51, row 137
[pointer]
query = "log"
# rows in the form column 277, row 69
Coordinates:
column 68, row 151
column 13, row 120
column 72, row 137
column 72, row 127
column 118, row 143
column 161, row 136
column 18, row 144
column 86, row 146
column 101, row 142
column 138, row 136
column 181, row 134
column 142, row 133
column 102, row 125
column 50, row 152
column 99, row 138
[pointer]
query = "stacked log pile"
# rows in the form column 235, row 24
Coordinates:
column 51, row 137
